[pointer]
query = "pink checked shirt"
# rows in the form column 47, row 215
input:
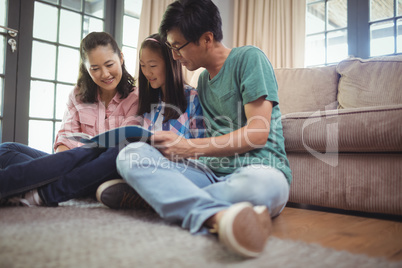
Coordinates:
column 95, row 118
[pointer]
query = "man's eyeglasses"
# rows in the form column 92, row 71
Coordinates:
column 176, row 49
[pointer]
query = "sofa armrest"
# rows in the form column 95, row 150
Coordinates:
column 369, row 129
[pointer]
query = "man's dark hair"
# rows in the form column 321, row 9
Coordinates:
column 193, row 18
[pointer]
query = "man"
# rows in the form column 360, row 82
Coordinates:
column 241, row 178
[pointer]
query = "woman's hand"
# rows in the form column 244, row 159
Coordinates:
column 62, row 148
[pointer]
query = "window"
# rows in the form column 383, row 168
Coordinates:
column 3, row 45
column 385, row 27
column 326, row 32
column 131, row 25
column 361, row 28
column 58, row 28
column 43, row 70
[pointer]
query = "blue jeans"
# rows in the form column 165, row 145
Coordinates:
column 58, row 177
column 15, row 153
column 188, row 192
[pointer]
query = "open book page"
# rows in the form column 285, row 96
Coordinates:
column 114, row 136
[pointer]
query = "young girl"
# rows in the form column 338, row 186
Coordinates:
column 167, row 104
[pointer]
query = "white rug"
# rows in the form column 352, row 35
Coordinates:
column 82, row 234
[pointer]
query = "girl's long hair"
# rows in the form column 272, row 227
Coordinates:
column 174, row 83
column 87, row 88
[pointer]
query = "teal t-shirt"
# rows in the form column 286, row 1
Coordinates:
column 245, row 76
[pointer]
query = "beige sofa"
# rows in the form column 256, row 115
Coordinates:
column 343, row 134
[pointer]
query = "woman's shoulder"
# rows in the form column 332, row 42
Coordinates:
column 75, row 91
column 132, row 95
column 134, row 92
column 74, row 95
column 75, row 100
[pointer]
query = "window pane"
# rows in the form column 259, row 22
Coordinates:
column 315, row 50
column 73, row 4
column 130, row 56
column 41, row 99
column 52, row 1
column 399, row 7
column 315, row 21
column 133, row 7
column 337, row 46
column 43, row 60
column 62, row 92
column 68, row 63
column 1, row 95
column 57, row 127
column 1, row 107
column 2, row 53
column 130, row 31
column 399, row 40
column 382, row 38
column 40, row 135
column 381, row 9
column 95, row 8
column 92, row 25
column 45, row 22
column 3, row 15
column 70, row 28
column 337, row 14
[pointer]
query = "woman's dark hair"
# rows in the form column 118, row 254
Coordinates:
column 193, row 18
column 174, row 83
column 87, row 88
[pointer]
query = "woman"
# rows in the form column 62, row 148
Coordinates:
column 104, row 98
column 78, row 172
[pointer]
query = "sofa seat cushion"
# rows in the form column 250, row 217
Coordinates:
column 307, row 89
column 369, row 129
column 372, row 82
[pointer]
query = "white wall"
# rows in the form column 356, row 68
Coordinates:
column 226, row 8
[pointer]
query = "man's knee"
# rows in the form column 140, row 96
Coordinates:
column 134, row 149
column 265, row 184
column 137, row 155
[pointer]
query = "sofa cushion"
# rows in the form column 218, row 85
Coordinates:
column 372, row 82
column 369, row 129
column 307, row 89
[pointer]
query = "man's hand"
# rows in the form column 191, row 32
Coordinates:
column 171, row 145
column 252, row 136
